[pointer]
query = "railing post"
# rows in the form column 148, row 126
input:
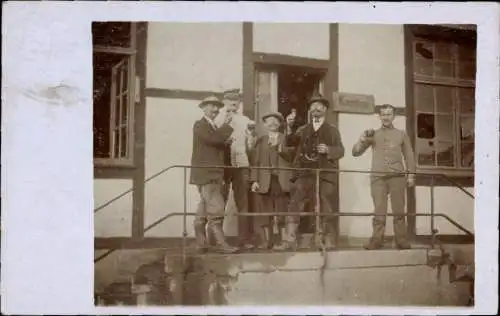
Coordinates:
column 433, row 229
column 319, row 229
column 184, row 236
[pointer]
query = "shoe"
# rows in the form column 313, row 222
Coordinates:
column 286, row 245
column 220, row 239
column 201, row 240
column 373, row 245
column 403, row 245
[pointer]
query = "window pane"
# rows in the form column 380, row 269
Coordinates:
column 466, row 53
column 444, row 127
column 125, row 76
column 444, row 99
column 444, row 52
column 124, row 143
column 116, row 148
column 118, row 112
column 468, row 155
column 467, row 70
column 102, row 66
column 466, row 99
column 467, row 128
column 424, row 98
column 111, row 34
column 425, row 126
column 445, row 156
column 424, row 67
column 444, row 69
column 424, row 50
column 125, row 112
column 425, row 152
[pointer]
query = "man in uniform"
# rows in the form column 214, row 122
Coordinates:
column 209, row 143
column 389, row 146
column 319, row 145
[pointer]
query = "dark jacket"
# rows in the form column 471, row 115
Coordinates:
column 305, row 138
column 208, row 150
column 261, row 156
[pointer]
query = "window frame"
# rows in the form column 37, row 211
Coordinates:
column 456, row 36
column 133, row 98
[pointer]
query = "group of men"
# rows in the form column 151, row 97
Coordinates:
column 285, row 178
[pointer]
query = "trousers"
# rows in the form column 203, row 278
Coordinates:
column 395, row 187
column 238, row 179
column 304, row 192
column 210, row 209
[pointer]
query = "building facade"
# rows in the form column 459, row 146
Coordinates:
column 150, row 76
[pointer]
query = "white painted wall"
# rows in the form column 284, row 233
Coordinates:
column 447, row 200
column 169, row 134
column 296, row 39
column 372, row 62
column 115, row 220
column 194, row 56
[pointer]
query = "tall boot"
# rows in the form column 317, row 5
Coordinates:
column 265, row 237
column 290, row 240
column 200, row 233
column 220, row 239
column 330, row 235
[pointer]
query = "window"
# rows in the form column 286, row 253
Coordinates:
column 444, row 98
column 114, row 80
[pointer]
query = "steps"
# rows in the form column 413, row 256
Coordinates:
column 380, row 277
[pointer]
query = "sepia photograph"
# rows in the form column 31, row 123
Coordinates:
column 291, row 164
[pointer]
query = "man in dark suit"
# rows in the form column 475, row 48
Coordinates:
column 319, row 145
column 272, row 185
column 209, row 143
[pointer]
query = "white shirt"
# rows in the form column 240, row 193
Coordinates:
column 317, row 125
column 272, row 137
column 239, row 157
column 211, row 122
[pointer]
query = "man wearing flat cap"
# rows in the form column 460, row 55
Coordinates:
column 237, row 155
column 271, row 185
column 318, row 145
column 209, row 143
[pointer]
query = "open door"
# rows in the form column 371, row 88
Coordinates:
column 266, row 96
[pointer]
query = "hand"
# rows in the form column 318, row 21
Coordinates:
column 410, row 180
column 322, row 149
column 280, row 147
column 290, row 119
column 255, row 187
column 229, row 141
column 228, row 118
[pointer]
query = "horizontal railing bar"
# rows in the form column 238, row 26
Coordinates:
column 132, row 189
column 332, row 214
column 285, row 169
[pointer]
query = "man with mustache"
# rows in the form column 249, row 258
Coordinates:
column 209, row 143
column 237, row 152
column 318, row 145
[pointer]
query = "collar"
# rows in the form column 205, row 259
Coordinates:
column 387, row 127
column 209, row 120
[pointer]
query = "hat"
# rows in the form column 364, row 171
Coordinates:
column 233, row 95
column 211, row 100
column 277, row 115
column 318, row 98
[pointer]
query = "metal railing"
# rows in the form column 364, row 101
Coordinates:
column 317, row 213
